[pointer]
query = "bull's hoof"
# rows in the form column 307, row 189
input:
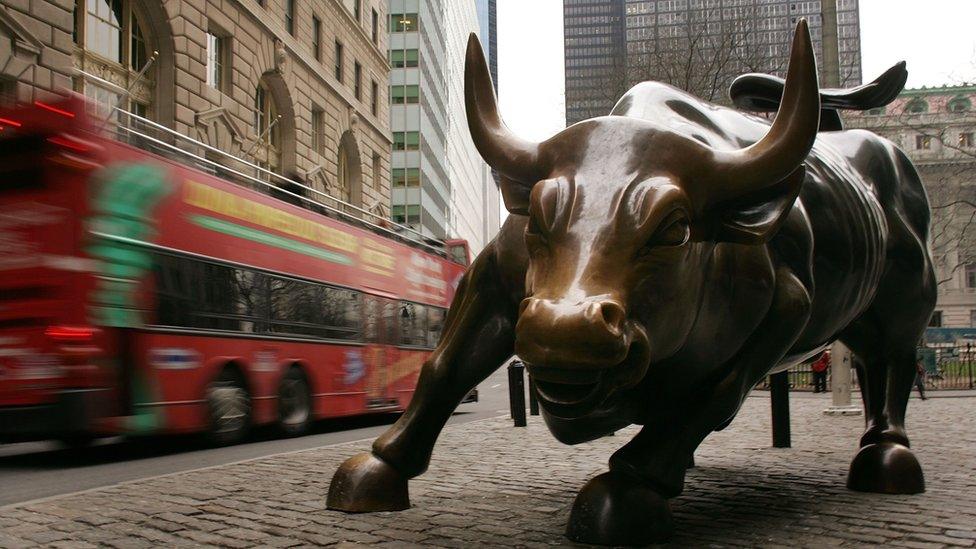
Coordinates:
column 613, row 509
column 886, row 468
column 365, row 484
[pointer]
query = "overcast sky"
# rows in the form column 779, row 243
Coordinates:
column 936, row 37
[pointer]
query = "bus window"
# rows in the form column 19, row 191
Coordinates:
column 413, row 324
column 304, row 308
column 371, row 315
column 435, row 324
column 196, row 294
column 390, row 322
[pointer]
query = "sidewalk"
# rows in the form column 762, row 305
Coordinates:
column 494, row 485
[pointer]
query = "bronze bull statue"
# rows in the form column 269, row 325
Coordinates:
column 657, row 264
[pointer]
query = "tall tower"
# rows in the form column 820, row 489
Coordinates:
column 420, row 189
column 698, row 46
column 440, row 184
column 594, row 42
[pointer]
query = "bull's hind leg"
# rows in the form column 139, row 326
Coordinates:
column 884, row 464
column 478, row 337
column 883, row 342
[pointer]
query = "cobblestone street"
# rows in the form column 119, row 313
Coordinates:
column 494, row 485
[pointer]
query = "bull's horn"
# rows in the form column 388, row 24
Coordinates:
column 783, row 149
column 511, row 155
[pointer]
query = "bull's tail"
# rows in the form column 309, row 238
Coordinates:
column 762, row 93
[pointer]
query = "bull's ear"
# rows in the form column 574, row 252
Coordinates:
column 515, row 194
column 755, row 219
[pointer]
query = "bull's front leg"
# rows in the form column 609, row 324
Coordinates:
column 628, row 505
column 478, row 338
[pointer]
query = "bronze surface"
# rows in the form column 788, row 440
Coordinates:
column 657, row 264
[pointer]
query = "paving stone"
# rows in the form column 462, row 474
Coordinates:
column 493, row 485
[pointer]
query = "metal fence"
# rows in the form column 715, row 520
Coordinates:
column 947, row 367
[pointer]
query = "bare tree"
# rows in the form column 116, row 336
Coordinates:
column 702, row 53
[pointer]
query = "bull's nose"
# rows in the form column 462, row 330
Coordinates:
column 561, row 331
column 609, row 313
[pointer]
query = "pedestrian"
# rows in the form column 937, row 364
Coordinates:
column 920, row 378
column 820, row 367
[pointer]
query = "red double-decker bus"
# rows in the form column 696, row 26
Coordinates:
column 140, row 294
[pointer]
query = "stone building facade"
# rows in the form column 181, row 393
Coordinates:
column 936, row 127
column 298, row 87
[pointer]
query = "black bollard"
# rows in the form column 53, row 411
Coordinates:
column 516, row 392
column 969, row 362
column 779, row 397
column 533, row 398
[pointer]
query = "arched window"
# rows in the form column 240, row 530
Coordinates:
column 112, row 45
column 960, row 104
column 267, row 151
column 916, row 106
column 342, row 174
column 349, row 174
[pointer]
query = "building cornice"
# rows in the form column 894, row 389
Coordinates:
column 293, row 46
column 945, row 90
column 374, row 49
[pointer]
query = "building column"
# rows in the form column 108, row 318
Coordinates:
column 840, row 382
column 831, row 49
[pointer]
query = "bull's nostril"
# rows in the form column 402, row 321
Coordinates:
column 613, row 315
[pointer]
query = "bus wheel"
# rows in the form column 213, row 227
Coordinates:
column 294, row 404
column 77, row 441
column 230, row 409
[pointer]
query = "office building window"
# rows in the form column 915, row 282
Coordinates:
column 960, row 104
column 923, row 142
column 317, row 38
column 338, row 60
column 8, row 91
column 216, row 61
column 111, row 31
column 406, row 141
column 375, row 25
column 374, row 97
column 318, row 130
column 357, row 81
column 971, row 275
column 966, row 140
column 404, row 22
column 405, row 177
column 404, row 58
column 357, row 10
column 268, row 149
column 290, row 16
column 400, row 95
column 916, row 106
column 409, row 214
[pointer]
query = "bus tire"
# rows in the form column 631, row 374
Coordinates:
column 294, row 403
column 229, row 408
column 78, row 441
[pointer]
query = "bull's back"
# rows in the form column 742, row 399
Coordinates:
column 859, row 188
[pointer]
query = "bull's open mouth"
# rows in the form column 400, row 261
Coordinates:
column 564, row 393
column 569, row 391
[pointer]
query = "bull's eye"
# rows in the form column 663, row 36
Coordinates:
column 674, row 232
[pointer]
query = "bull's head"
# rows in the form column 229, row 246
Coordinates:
column 621, row 215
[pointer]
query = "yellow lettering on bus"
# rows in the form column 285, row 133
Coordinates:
column 225, row 203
